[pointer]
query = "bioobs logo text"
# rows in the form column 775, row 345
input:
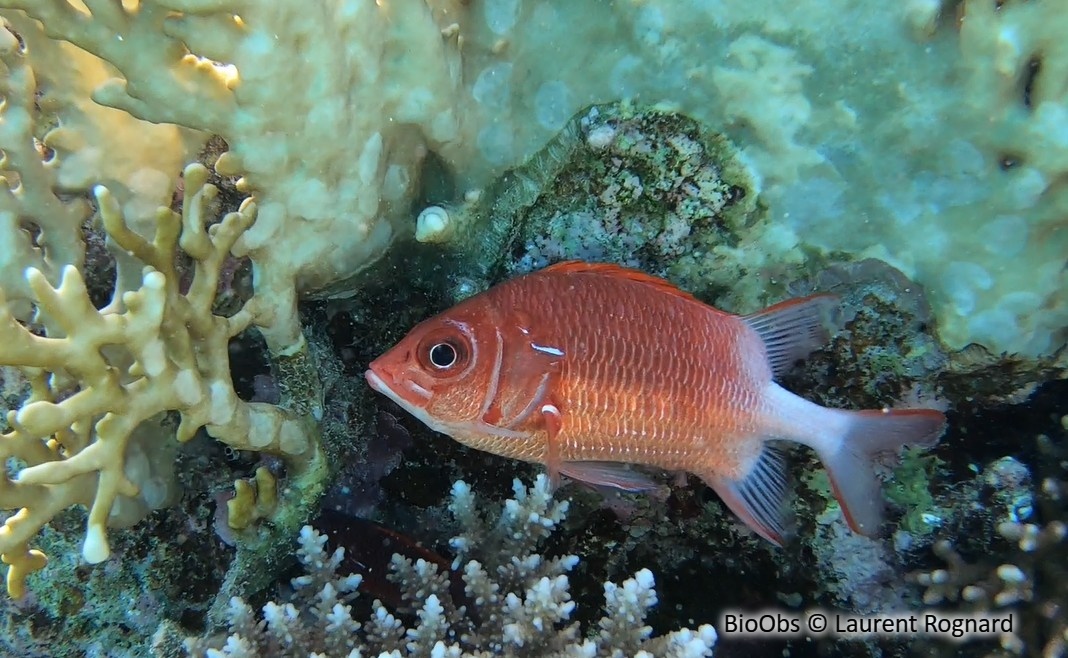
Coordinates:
column 770, row 622
column 953, row 627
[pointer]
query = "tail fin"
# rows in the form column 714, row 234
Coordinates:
column 868, row 434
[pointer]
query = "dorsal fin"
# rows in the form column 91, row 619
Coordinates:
column 792, row 329
column 613, row 270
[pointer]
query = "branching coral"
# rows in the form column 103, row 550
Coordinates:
column 1029, row 577
column 255, row 73
column 57, row 145
column 521, row 599
column 97, row 375
column 27, row 186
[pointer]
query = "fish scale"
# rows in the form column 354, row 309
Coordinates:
column 684, row 397
column 591, row 368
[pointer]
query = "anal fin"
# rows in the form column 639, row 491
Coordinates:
column 759, row 499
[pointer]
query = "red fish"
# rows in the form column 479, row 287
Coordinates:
column 588, row 367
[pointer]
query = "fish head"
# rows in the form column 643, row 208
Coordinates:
column 438, row 371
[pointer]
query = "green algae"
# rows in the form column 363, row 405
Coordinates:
column 910, row 489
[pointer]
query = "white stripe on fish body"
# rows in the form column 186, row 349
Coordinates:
column 546, row 349
column 495, row 373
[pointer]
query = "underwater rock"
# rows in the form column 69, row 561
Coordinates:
column 641, row 186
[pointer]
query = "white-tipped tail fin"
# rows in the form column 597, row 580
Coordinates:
column 850, row 464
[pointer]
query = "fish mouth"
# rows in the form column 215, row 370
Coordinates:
column 408, row 395
column 415, row 407
column 376, row 382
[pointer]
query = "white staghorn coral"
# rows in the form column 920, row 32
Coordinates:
column 522, row 601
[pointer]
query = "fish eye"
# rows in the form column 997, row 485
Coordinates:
column 442, row 355
column 445, row 351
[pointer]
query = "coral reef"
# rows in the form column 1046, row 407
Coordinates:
column 208, row 67
column 518, row 601
column 909, row 157
column 645, row 187
column 170, row 566
column 1027, row 572
column 931, row 149
column 97, row 377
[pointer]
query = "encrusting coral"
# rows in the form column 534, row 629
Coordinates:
column 520, row 598
column 97, row 375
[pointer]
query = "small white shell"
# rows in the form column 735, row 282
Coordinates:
column 433, row 225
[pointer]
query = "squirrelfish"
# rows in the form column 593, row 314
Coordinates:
column 587, row 368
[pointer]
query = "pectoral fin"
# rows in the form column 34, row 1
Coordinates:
column 554, row 425
column 607, row 474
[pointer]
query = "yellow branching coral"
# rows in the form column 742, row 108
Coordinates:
column 27, row 185
column 253, row 499
column 96, row 375
column 368, row 87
